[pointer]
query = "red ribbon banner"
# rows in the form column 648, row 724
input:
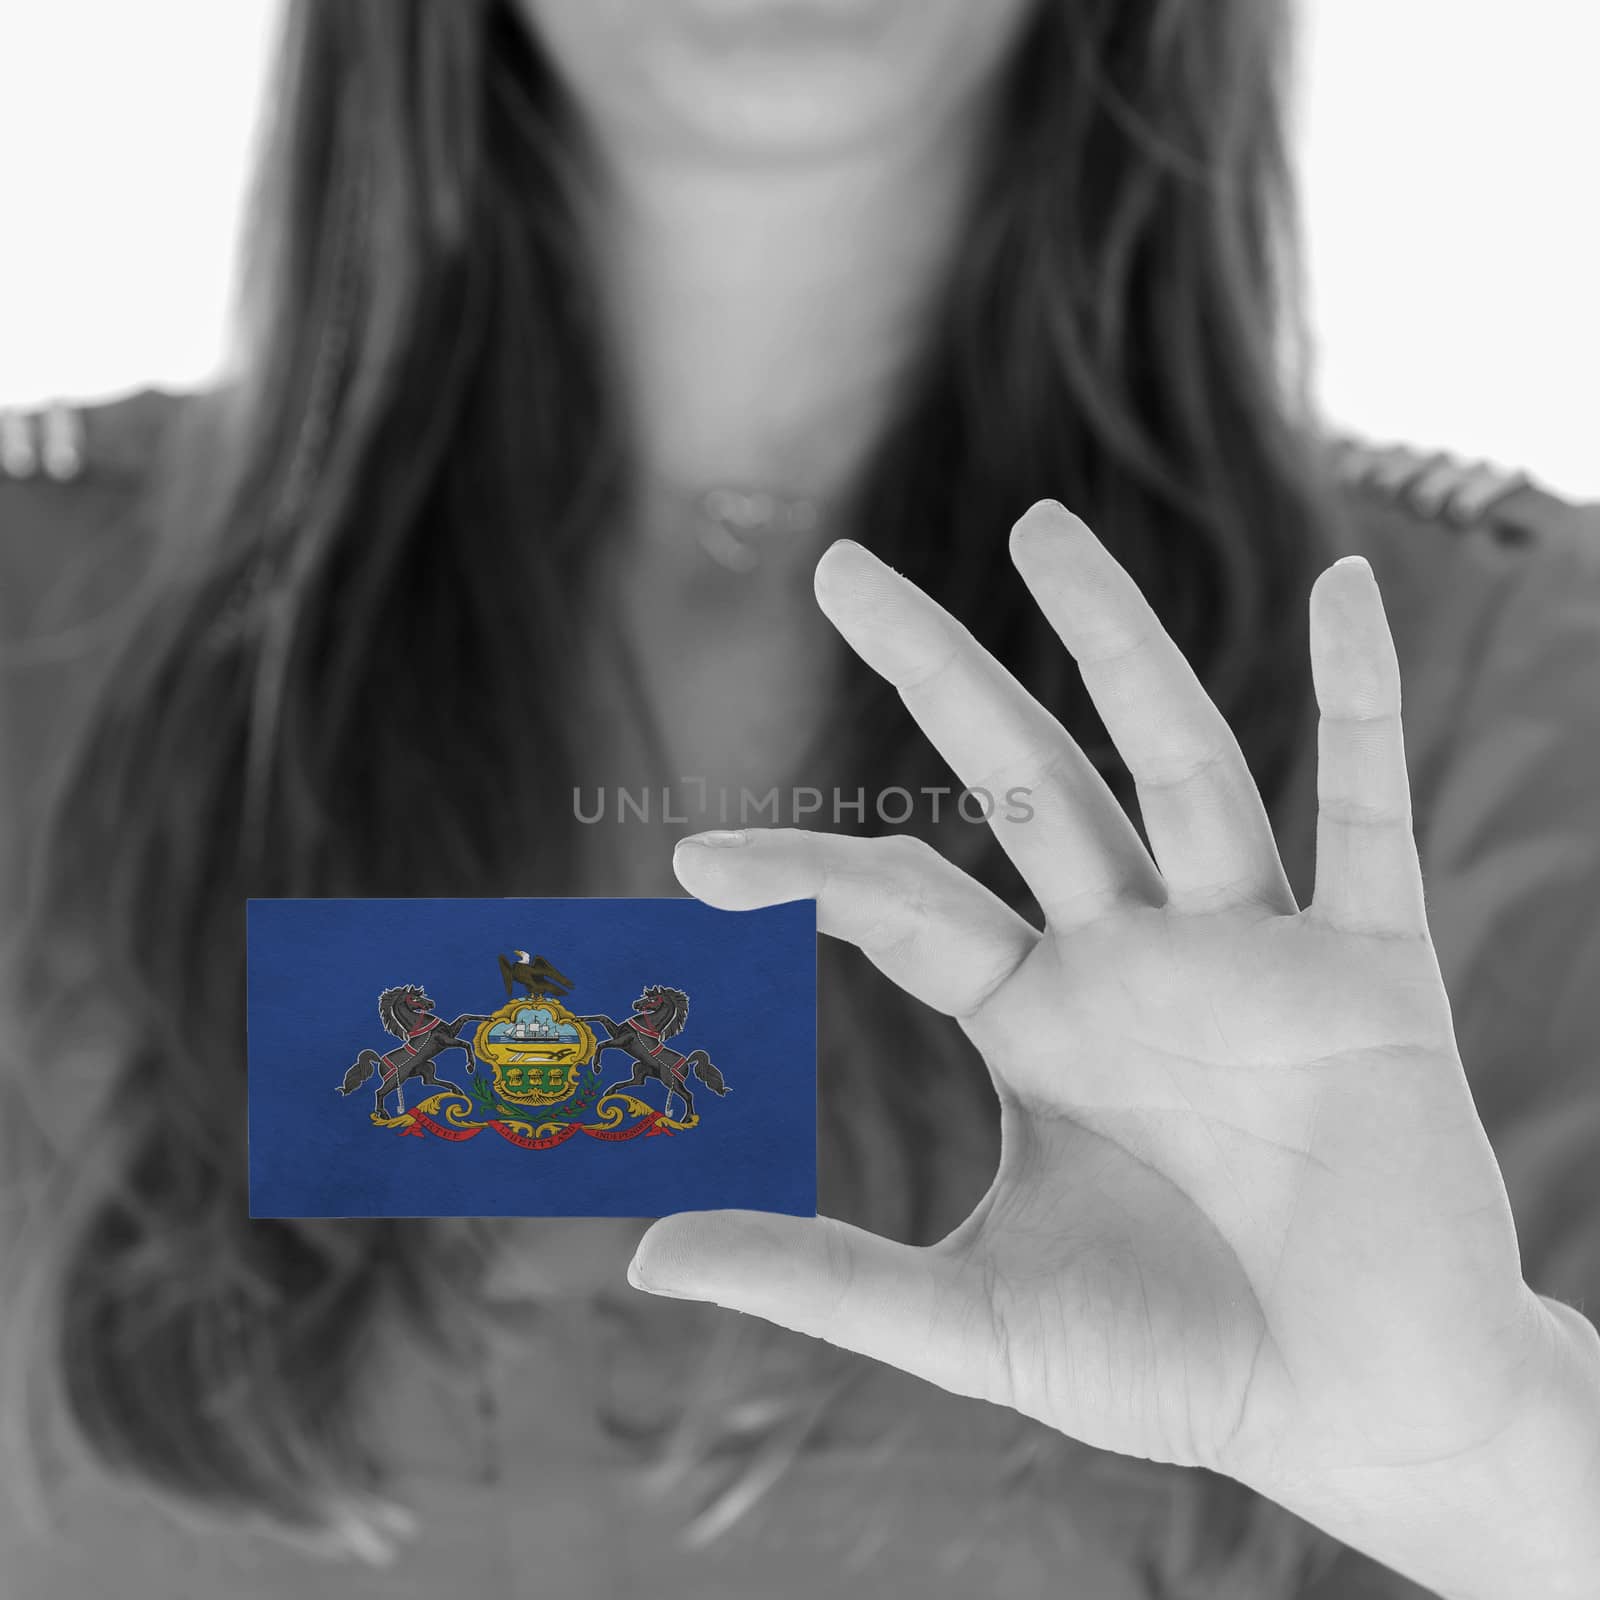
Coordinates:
column 649, row 1125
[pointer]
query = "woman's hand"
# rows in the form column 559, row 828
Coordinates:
column 1245, row 1216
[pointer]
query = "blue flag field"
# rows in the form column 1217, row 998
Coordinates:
column 521, row 1057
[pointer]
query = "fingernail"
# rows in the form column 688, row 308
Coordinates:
column 637, row 1280
column 718, row 838
column 1050, row 514
column 850, row 573
column 1354, row 561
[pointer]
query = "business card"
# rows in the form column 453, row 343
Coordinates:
column 527, row 1057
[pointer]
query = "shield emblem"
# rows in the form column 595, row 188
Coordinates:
column 537, row 1048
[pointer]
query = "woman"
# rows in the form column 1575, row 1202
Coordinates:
column 627, row 311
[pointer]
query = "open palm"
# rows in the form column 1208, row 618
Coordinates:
column 1245, row 1215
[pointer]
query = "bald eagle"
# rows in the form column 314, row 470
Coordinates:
column 539, row 976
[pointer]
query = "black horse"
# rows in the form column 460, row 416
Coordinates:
column 407, row 1013
column 658, row 1014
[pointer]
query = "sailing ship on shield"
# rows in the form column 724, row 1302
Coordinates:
column 535, row 1069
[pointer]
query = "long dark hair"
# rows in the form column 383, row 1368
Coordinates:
column 426, row 416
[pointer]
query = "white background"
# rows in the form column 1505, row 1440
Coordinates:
column 1448, row 151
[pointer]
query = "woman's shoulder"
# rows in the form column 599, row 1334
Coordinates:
column 74, row 480
column 77, row 530
column 1448, row 536
column 1492, row 588
column 1403, row 484
column 90, row 445
column 1490, row 580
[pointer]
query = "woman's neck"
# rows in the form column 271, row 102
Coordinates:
column 763, row 315
column 761, row 318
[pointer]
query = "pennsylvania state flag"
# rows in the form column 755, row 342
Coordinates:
column 573, row 1058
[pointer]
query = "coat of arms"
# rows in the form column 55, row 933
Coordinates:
column 533, row 1067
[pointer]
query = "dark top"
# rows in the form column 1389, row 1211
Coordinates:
column 1493, row 592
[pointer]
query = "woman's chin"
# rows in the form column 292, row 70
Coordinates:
column 773, row 80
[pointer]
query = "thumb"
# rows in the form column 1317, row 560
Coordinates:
column 915, row 1308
